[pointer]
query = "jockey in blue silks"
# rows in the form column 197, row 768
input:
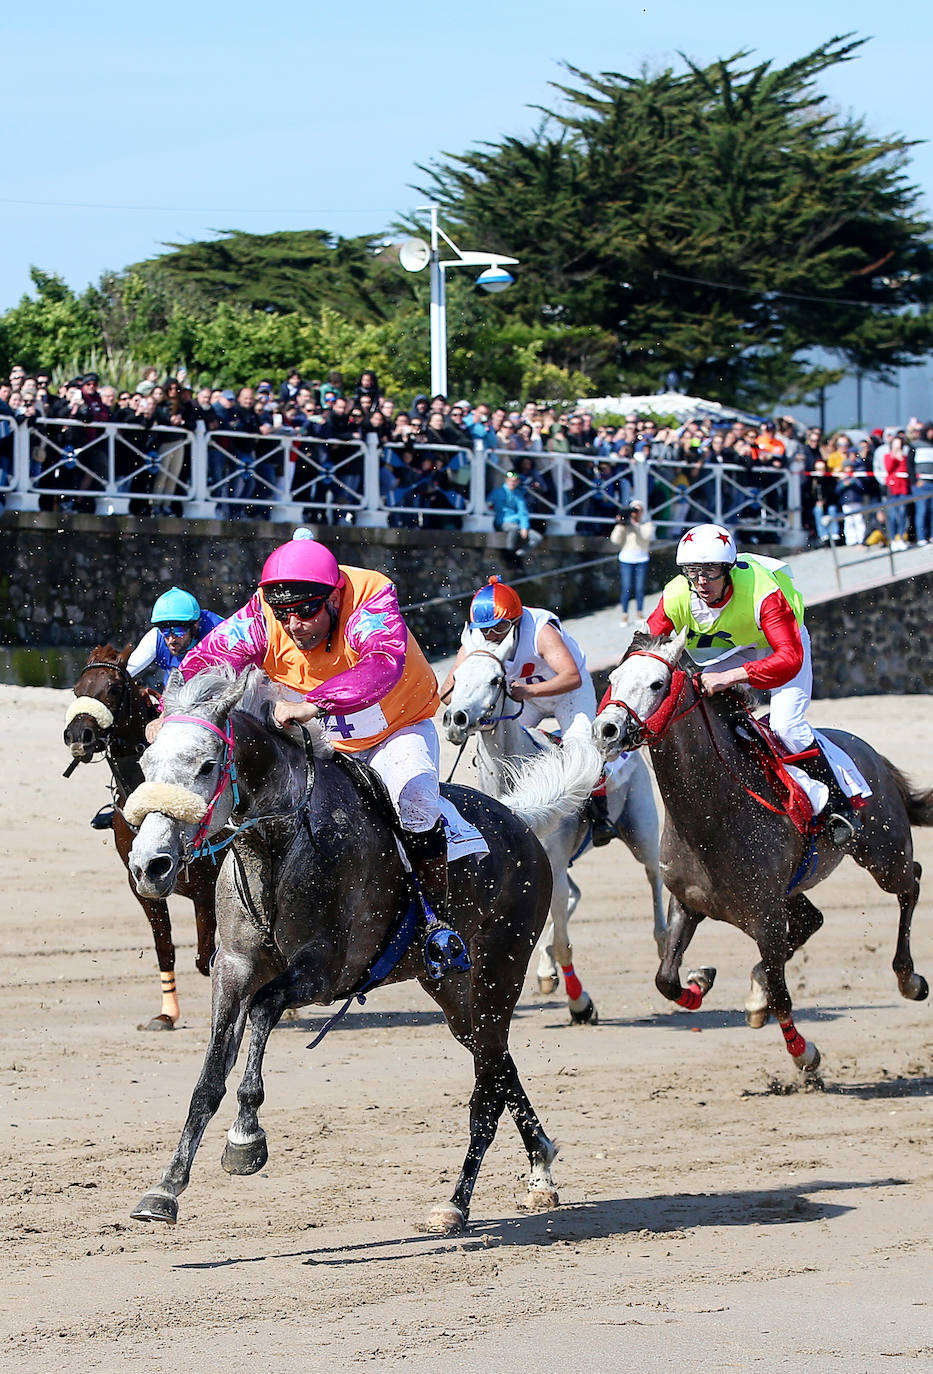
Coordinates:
column 177, row 623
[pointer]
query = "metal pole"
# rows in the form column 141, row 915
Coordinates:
column 438, row 316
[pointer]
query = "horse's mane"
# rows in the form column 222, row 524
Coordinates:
column 206, row 686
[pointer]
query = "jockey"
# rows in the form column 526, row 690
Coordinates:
column 334, row 635
column 744, row 620
column 178, row 622
column 545, row 670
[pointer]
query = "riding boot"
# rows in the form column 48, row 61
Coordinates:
column 444, row 950
column 103, row 819
column 841, row 821
column 602, row 829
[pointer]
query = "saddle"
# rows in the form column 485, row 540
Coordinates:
column 774, row 757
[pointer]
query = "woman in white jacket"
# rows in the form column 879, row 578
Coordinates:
column 633, row 538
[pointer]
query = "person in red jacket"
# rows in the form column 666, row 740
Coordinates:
column 897, row 484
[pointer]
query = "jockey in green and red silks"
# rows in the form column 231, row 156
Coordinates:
column 745, row 624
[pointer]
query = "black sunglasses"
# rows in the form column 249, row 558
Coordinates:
column 304, row 610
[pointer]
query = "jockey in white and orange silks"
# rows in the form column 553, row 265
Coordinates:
column 744, row 622
column 334, row 635
column 545, row 670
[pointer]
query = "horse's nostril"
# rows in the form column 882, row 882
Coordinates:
column 609, row 731
column 159, row 867
column 445, row 719
column 460, row 719
column 87, row 737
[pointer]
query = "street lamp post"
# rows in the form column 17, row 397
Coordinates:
column 415, row 255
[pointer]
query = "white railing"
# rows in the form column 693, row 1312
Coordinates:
column 132, row 470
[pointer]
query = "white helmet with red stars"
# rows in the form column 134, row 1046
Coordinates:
column 707, row 544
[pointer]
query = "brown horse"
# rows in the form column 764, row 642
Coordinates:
column 730, row 852
column 109, row 718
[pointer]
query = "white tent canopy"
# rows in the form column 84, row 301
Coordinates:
column 667, row 403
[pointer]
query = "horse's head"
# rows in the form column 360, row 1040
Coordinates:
column 478, row 698
column 637, row 688
column 102, row 694
column 187, row 794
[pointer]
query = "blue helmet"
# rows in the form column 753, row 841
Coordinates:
column 175, row 606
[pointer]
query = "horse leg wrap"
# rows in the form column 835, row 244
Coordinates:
column 572, row 983
column 691, row 998
column 796, row 1045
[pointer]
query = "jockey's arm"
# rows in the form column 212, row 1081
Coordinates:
column 558, row 657
column 144, row 655
column 782, row 632
column 377, row 633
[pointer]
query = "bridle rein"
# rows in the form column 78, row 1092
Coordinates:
column 488, row 722
column 655, row 726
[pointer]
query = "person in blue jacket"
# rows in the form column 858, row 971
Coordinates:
column 177, row 622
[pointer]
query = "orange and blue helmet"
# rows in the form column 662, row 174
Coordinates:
column 494, row 603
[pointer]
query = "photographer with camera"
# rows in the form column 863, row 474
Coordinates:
column 633, row 537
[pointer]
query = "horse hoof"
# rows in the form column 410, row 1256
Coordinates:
column 245, row 1157
column 704, row 978
column 809, row 1060
column 547, row 985
column 162, row 1022
column 757, row 1018
column 585, row 1016
column 540, row 1200
column 446, row 1221
column 917, row 989
column 157, row 1205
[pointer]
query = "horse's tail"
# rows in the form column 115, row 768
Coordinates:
column 918, row 805
column 555, row 784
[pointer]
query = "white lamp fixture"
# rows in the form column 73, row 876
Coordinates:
column 415, row 254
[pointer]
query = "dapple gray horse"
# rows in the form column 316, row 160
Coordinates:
column 310, row 892
column 479, row 704
column 730, row 852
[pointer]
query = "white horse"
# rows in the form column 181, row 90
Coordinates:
column 479, row 704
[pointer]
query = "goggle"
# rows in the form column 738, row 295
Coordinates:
column 177, row 631
column 304, row 610
column 712, row 572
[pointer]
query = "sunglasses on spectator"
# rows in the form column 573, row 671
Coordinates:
column 304, row 610
column 176, row 631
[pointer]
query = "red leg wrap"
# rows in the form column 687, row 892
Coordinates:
column 793, row 1040
column 572, row 983
column 691, row 997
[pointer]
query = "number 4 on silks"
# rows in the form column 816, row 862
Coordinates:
column 340, row 723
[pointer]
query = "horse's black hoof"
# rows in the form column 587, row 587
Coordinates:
column 157, row 1205
column 245, row 1158
column 586, row 1016
column 162, row 1022
column 918, row 989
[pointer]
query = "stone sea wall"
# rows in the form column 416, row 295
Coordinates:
column 70, row 582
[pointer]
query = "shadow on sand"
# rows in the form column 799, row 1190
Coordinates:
column 641, row 1218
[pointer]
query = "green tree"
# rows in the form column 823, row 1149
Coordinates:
column 718, row 222
column 49, row 328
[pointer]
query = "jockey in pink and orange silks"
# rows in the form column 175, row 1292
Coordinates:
column 335, row 637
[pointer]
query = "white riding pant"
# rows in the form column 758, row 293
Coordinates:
column 409, row 762
column 574, row 711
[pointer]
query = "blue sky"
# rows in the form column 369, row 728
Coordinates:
column 131, row 126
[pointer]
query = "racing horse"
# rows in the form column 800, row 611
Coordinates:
column 479, row 705
column 109, row 717
column 731, row 851
column 313, row 889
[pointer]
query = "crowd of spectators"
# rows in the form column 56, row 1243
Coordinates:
column 426, row 456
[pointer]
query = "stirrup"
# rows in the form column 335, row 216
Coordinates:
column 103, row 820
column 841, row 829
column 444, row 950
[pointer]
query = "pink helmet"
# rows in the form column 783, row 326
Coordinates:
column 302, row 560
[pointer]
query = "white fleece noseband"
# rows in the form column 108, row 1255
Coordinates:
column 90, row 706
column 168, row 799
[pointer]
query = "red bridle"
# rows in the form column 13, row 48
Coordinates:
column 655, row 726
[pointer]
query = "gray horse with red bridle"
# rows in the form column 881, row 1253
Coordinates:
column 731, row 849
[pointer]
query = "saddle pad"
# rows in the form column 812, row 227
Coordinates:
column 462, row 838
